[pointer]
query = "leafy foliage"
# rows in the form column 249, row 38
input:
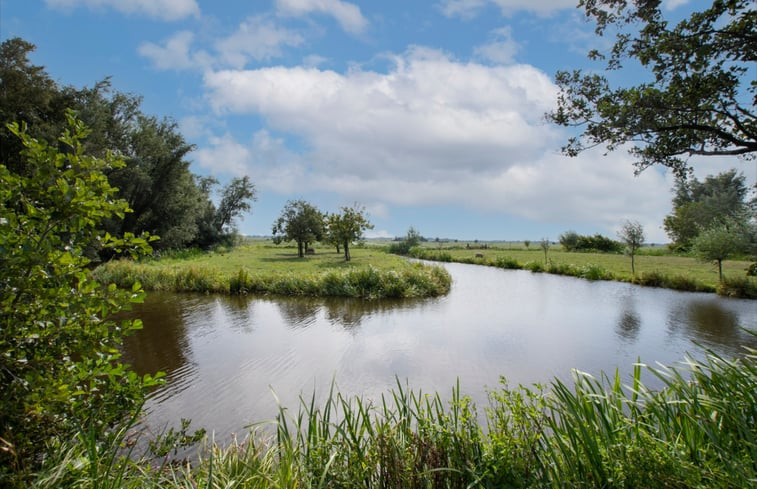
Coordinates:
column 59, row 361
column 699, row 99
column 700, row 205
column 572, row 241
column 720, row 242
column 166, row 198
column 347, row 227
column 300, row 222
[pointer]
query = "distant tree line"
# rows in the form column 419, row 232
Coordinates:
column 572, row 241
column 166, row 199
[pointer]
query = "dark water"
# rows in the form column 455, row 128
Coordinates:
column 226, row 356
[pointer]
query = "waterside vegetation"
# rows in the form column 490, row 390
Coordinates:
column 698, row 430
column 654, row 267
column 262, row 268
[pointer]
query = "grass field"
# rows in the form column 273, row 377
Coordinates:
column 262, row 267
column 655, row 263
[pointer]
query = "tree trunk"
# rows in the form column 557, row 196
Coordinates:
column 720, row 270
column 300, row 251
column 633, row 268
column 346, row 251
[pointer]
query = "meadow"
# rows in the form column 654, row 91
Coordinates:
column 258, row 266
column 655, row 266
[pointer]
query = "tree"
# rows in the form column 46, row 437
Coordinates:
column 699, row 205
column 544, row 244
column 699, row 100
column 60, row 373
column 568, row 240
column 526, row 243
column 632, row 235
column 348, row 227
column 721, row 242
column 300, row 222
column 235, row 200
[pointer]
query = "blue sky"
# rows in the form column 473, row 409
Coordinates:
column 428, row 113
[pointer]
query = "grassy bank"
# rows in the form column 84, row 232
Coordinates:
column 699, row 430
column 267, row 269
column 652, row 267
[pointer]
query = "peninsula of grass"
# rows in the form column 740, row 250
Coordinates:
column 263, row 268
column 655, row 267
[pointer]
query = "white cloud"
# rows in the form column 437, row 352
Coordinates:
column 257, row 38
column 347, row 14
column 674, row 4
column 430, row 131
column 175, row 53
column 470, row 8
column 159, row 9
column 501, row 49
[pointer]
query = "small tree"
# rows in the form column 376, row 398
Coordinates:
column 300, row 222
column 632, row 235
column 719, row 243
column 527, row 243
column 60, row 372
column 347, row 227
column 544, row 243
column 569, row 240
column 235, row 200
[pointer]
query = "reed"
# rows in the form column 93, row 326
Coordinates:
column 698, row 430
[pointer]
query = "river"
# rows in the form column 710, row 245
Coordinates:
column 228, row 359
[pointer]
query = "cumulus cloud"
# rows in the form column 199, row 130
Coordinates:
column 431, row 130
column 175, row 53
column 471, row 8
column 168, row 10
column 501, row 49
column 347, row 14
column 257, row 38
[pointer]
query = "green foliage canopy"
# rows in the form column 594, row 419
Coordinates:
column 348, row 226
column 301, row 222
column 699, row 99
column 721, row 242
column 60, row 373
column 631, row 234
column 700, row 205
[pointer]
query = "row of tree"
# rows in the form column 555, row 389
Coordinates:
column 166, row 199
column 305, row 224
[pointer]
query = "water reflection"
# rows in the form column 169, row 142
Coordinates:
column 224, row 355
column 708, row 321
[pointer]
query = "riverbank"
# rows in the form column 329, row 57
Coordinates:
column 652, row 269
column 262, row 268
column 697, row 431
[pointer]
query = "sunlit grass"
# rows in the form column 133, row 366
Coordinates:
column 263, row 268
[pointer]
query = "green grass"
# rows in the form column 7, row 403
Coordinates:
column 264, row 268
column 654, row 267
column 698, row 430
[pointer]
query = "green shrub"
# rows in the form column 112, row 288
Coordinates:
column 741, row 287
column 60, row 374
column 534, row 266
column 507, row 263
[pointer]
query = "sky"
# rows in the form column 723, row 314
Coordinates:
column 428, row 113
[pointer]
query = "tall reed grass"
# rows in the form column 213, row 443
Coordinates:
column 415, row 280
column 698, row 430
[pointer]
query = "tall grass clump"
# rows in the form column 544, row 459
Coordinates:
column 368, row 282
column 740, row 287
column 698, row 430
column 507, row 263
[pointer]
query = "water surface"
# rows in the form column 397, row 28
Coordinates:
column 226, row 356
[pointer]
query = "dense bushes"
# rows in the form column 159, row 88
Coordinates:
column 60, row 373
column 571, row 241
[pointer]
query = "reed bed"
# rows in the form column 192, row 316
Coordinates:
column 698, row 430
column 369, row 282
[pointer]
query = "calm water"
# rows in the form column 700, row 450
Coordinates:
column 226, row 356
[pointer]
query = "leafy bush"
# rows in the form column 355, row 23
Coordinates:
column 59, row 362
column 741, row 287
